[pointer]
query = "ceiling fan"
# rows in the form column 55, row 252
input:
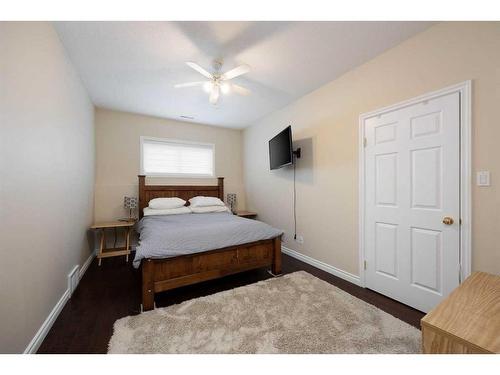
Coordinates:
column 218, row 82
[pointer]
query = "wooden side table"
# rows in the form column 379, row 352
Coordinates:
column 104, row 251
column 247, row 214
column 468, row 320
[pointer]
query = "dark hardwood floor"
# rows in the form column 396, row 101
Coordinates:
column 112, row 291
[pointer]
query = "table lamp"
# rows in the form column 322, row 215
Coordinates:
column 231, row 201
column 130, row 203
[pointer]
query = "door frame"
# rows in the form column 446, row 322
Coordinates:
column 464, row 88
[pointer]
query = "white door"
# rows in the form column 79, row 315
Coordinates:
column 412, row 201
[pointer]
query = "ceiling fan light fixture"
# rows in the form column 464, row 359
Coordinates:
column 217, row 83
column 214, row 95
column 208, row 86
column 225, row 88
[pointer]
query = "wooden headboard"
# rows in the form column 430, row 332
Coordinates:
column 186, row 192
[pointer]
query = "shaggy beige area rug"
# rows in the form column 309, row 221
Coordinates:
column 295, row 313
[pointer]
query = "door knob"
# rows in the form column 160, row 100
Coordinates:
column 448, row 220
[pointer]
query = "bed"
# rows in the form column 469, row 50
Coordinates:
column 164, row 273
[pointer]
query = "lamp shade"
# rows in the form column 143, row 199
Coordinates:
column 130, row 202
column 231, row 201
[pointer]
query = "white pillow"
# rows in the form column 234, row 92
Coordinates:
column 166, row 203
column 206, row 209
column 167, row 211
column 201, row 201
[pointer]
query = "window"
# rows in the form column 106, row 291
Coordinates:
column 167, row 157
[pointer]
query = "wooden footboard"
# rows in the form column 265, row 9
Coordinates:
column 164, row 274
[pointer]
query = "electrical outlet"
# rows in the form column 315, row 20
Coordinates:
column 299, row 239
column 483, row 178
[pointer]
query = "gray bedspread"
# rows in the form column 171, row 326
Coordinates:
column 172, row 235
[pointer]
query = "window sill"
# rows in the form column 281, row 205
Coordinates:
column 168, row 175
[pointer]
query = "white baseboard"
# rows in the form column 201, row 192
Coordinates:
column 49, row 322
column 323, row 266
column 87, row 263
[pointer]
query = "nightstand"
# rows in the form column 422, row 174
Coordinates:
column 247, row 214
column 105, row 252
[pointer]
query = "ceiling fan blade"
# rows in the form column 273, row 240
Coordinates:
column 241, row 90
column 189, row 84
column 199, row 69
column 238, row 71
column 214, row 95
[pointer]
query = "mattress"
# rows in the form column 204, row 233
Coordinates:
column 173, row 235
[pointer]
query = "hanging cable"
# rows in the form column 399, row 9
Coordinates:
column 294, row 202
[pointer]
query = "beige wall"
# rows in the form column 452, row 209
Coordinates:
column 118, row 156
column 47, row 177
column 325, row 125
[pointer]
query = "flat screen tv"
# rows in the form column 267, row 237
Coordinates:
column 280, row 149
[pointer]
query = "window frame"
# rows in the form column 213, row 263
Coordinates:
column 179, row 141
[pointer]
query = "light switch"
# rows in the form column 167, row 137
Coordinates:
column 483, row 178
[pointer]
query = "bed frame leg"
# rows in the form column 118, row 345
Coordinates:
column 148, row 292
column 276, row 265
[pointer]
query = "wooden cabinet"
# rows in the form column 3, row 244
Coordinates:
column 468, row 321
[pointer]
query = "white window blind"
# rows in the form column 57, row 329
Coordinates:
column 165, row 157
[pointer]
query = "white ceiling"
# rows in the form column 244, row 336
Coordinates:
column 132, row 66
